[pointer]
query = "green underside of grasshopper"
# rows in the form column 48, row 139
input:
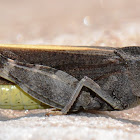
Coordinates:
column 12, row 97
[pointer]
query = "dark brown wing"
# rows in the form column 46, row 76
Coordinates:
column 94, row 62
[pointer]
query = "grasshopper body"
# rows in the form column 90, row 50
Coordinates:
column 57, row 76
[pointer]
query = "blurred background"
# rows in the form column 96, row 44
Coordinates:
column 70, row 22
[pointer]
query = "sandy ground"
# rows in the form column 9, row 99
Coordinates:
column 34, row 125
column 63, row 22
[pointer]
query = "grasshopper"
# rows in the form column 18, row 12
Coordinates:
column 75, row 78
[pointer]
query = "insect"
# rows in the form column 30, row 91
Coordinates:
column 74, row 78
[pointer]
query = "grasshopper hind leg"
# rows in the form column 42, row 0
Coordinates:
column 89, row 83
